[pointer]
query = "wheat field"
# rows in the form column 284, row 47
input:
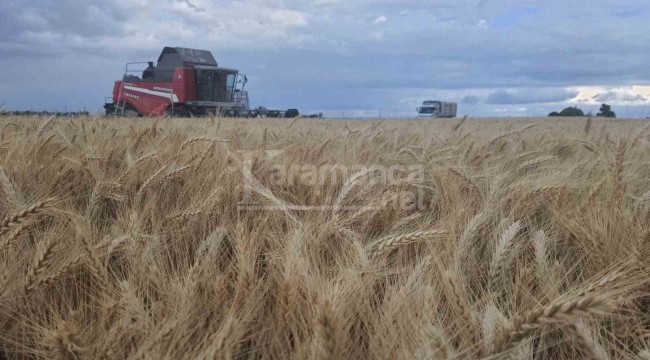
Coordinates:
column 492, row 238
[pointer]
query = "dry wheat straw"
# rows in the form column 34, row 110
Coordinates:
column 644, row 354
column 64, row 343
column 588, row 342
column 436, row 345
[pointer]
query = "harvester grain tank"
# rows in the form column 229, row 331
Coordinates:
column 437, row 109
column 184, row 82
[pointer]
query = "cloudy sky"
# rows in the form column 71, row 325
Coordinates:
column 342, row 57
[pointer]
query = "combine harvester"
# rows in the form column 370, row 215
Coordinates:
column 184, row 82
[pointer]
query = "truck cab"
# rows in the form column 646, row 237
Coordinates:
column 429, row 109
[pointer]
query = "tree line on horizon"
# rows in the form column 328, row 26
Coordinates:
column 573, row 111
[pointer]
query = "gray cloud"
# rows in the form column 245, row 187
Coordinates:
column 470, row 100
column 530, row 96
column 193, row 6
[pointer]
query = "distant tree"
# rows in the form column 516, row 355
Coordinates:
column 606, row 111
column 568, row 112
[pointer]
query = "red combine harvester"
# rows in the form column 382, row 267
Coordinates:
column 184, row 82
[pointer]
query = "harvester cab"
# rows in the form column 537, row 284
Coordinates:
column 184, row 82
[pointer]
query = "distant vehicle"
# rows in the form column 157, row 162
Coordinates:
column 273, row 114
column 437, row 109
column 292, row 113
column 289, row 113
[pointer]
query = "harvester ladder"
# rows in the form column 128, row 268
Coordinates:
column 171, row 101
column 120, row 110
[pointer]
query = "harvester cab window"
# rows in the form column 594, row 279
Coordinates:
column 215, row 86
column 229, row 81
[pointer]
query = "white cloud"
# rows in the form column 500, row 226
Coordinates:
column 380, row 20
column 625, row 95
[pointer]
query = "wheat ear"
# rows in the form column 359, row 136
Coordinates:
column 460, row 306
column 326, row 344
column 390, row 243
column 504, row 248
column 64, row 343
column 22, row 216
column 42, row 260
column 522, row 326
column 53, row 276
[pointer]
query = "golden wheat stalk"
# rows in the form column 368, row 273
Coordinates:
column 139, row 138
column 347, row 187
column 132, row 166
column 587, row 126
column 534, row 162
column 639, row 136
column 512, row 132
column 466, row 180
column 41, row 129
column 201, row 139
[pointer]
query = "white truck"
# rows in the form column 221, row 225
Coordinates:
column 437, row 109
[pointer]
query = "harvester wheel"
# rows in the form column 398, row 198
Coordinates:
column 130, row 111
column 177, row 111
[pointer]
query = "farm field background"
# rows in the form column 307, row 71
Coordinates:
column 225, row 238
